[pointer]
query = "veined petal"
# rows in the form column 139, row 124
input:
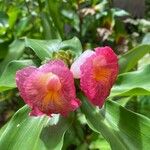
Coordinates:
column 49, row 89
column 98, row 74
column 47, row 67
column 21, row 77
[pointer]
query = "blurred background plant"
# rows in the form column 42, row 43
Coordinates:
column 95, row 23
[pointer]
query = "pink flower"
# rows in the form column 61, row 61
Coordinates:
column 48, row 89
column 97, row 72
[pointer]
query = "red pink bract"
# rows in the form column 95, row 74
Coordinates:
column 97, row 71
column 48, row 89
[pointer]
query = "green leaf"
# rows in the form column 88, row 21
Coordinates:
column 97, row 124
column 73, row 44
column 54, row 12
column 13, row 13
column 123, row 129
column 72, row 17
column 98, row 142
column 144, row 61
column 56, row 132
column 21, row 130
column 130, row 59
column 22, row 25
column 132, row 128
column 25, row 132
column 133, row 83
column 3, row 49
column 49, row 30
column 45, row 48
column 40, row 47
column 3, row 19
column 143, row 105
column 7, row 79
column 15, row 51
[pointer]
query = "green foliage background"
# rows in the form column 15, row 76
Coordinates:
column 33, row 32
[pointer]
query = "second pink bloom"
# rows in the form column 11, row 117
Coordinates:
column 97, row 72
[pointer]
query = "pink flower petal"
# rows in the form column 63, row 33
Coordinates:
column 36, row 112
column 34, row 89
column 108, row 53
column 21, row 77
column 112, row 61
column 47, row 67
column 49, row 89
column 75, row 103
column 75, row 67
column 98, row 74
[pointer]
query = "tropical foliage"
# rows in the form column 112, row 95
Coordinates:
column 34, row 32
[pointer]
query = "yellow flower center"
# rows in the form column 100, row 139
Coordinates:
column 53, row 87
column 100, row 72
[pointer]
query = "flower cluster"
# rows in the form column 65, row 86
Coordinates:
column 50, row 88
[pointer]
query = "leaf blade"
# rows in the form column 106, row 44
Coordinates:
column 130, row 59
column 118, row 129
column 7, row 79
column 26, row 131
column 45, row 48
column 133, row 83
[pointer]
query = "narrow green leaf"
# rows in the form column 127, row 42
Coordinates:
column 133, row 83
column 130, row 59
column 49, row 30
column 21, row 130
column 37, row 133
column 123, row 129
column 22, row 25
column 3, row 49
column 132, row 128
column 96, row 122
column 54, row 11
column 7, row 79
column 13, row 14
